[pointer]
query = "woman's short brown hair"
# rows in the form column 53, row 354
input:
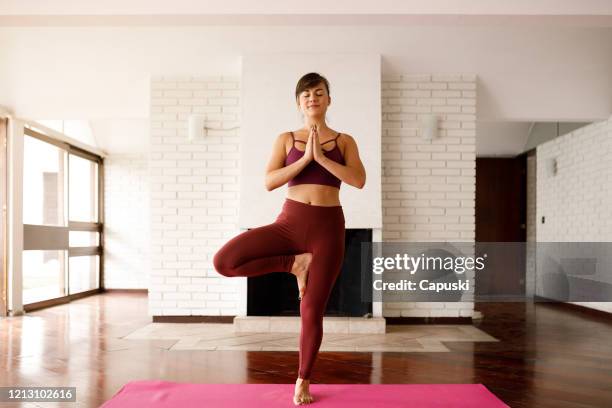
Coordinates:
column 308, row 81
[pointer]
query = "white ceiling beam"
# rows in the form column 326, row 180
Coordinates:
column 62, row 20
column 313, row 7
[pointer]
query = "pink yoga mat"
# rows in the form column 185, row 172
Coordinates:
column 155, row 394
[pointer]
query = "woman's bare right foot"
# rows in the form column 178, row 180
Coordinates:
column 300, row 270
column 302, row 393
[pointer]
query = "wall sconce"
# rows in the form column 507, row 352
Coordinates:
column 428, row 129
column 551, row 167
column 196, row 129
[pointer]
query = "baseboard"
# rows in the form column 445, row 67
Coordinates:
column 574, row 308
column 145, row 291
column 389, row 320
column 428, row 320
column 193, row 319
column 43, row 304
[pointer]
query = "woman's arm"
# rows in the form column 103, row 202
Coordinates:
column 352, row 172
column 277, row 173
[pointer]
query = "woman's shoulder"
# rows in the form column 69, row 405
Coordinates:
column 345, row 138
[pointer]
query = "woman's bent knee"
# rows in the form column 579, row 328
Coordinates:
column 220, row 266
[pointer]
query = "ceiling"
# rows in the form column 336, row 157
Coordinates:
column 316, row 12
column 98, row 56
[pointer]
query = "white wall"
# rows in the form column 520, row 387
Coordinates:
column 429, row 187
column 530, row 72
column 194, row 195
column 127, row 216
column 524, row 73
column 531, row 224
column 122, row 136
column 577, row 201
column 543, row 132
column 269, row 108
column 14, row 201
column 501, row 139
column 267, row 7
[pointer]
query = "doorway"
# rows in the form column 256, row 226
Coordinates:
column 501, row 216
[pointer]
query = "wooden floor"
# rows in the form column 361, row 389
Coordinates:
column 547, row 357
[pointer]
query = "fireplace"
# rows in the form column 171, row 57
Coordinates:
column 276, row 294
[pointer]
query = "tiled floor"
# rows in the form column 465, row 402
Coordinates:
column 218, row 336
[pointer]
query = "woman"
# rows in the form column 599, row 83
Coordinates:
column 307, row 238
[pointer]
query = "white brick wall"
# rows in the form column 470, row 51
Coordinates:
column 531, row 237
column 429, row 186
column 127, row 220
column 194, row 195
column 577, row 201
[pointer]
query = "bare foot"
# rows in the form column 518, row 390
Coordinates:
column 300, row 270
column 302, row 393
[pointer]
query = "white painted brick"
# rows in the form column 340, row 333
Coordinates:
column 459, row 305
column 207, row 78
column 173, row 93
column 175, row 312
column 220, row 304
column 461, row 101
column 584, row 170
column 415, row 313
column 402, row 85
column 191, row 85
column 416, row 78
column 160, row 85
column 411, row 166
column 127, row 215
column 222, row 85
column 176, row 295
column 425, row 168
column 432, row 101
column 444, row 313
column 447, row 94
column 190, row 273
column 433, row 85
column 446, row 77
column 163, row 101
column 206, row 109
column 391, row 313
column 210, row 312
column 190, row 186
column 206, row 296
column 462, row 85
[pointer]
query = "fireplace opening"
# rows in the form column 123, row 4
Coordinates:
column 276, row 294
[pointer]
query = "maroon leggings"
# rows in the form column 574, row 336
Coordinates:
column 299, row 228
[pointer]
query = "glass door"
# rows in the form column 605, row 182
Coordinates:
column 84, row 235
column 44, row 218
column 62, row 244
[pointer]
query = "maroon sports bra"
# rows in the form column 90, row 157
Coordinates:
column 314, row 173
